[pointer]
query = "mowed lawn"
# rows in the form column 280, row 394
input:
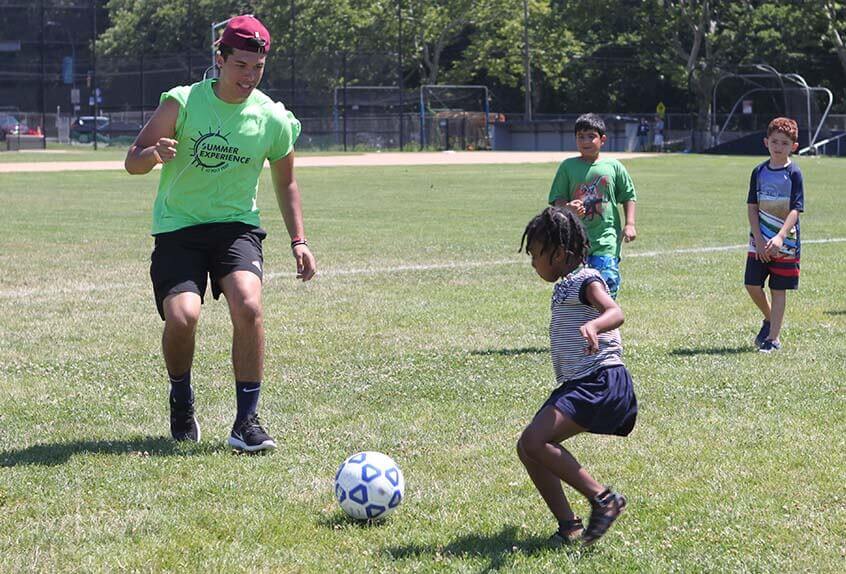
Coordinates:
column 425, row 337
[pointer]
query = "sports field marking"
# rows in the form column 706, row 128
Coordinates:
column 90, row 288
column 476, row 264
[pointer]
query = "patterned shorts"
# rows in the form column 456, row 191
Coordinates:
column 609, row 269
column 783, row 273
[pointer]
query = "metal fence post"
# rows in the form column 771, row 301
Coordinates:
column 344, row 71
column 141, row 81
column 422, row 121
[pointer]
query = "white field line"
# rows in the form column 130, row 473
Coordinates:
column 475, row 264
column 90, row 288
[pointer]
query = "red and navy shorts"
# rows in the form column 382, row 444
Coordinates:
column 783, row 273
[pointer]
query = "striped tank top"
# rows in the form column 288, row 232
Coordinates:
column 571, row 310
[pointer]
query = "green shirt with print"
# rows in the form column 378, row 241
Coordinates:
column 602, row 186
column 219, row 158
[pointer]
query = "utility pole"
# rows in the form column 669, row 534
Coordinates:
column 293, row 101
column 188, row 35
column 527, row 106
column 399, row 72
column 94, row 65
column 43, row 71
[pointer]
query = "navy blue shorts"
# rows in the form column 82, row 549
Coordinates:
column 183, row 260
column 604, row 402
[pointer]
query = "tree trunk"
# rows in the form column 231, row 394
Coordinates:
column 703, row 86
column 703, row 81
column 835, row 35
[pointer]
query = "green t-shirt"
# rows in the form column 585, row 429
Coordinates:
column 602, row 186
column 221, row 152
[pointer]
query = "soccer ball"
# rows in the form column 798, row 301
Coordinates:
column 369, row 485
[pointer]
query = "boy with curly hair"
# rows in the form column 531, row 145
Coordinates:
column 775, row 200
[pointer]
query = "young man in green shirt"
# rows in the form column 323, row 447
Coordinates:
column 594, row 189
column 212, row 138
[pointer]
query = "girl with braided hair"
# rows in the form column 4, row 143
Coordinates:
column 594, row 392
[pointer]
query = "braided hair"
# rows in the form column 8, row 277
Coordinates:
column 555, row 227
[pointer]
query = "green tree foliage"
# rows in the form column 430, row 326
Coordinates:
column 835, row 17
column 433, row 28
column 495, row 46
column 706, row 39
column 604, row 55
column 163, row 26
column 317, row 37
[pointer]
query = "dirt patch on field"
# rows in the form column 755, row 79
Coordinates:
column 360, row 160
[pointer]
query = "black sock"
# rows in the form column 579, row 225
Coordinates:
column 181, row 391
column 247, row 395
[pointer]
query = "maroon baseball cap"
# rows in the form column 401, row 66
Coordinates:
column 246, row 33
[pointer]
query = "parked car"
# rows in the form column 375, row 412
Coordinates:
column 82, row 129
column 10, row 126
column 123, row 132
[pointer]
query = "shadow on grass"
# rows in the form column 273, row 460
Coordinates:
column 495, row 549
column 511, row 352
column 338, row 520
column 691, row 351
column 60, row 453
column 840, row 312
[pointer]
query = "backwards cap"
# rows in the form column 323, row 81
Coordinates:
column 246, row 33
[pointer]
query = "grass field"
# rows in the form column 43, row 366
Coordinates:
column 424, row 337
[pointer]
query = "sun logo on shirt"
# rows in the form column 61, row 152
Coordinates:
column 205, row 142
column 212, row 152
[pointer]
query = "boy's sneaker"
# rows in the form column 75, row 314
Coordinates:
column 605, row 508
column 568, row 532
column 183, row 422
column 769, row 346
column 248, row 435
column 762, row 334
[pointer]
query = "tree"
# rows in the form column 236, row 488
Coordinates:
column 711, row 37
column 162, row 26
column 495, row 46
column 602, row 55
column 433, row 27
column 834, row 25
column 693, row 31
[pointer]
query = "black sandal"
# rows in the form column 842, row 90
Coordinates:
column 569, row 532
column 605, row 508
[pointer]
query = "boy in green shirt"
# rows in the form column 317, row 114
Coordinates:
column 593, row 189
column 212, row 138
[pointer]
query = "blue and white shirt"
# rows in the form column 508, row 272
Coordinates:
column 777, row 191
column 571, row 310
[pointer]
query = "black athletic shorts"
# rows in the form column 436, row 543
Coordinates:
column 183, row 260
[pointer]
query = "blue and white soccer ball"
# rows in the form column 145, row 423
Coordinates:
column 369, row 485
